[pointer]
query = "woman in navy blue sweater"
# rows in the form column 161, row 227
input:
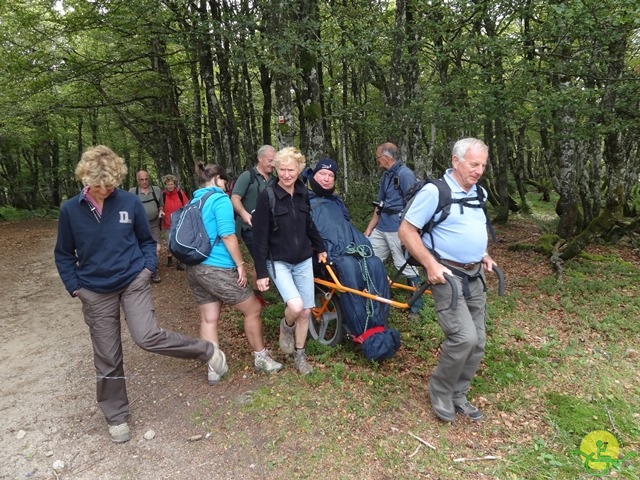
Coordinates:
column 105, row 256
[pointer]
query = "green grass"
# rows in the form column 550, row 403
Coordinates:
column 14, row 214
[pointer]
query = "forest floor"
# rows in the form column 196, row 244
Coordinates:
column 49, row 412
column 47, row 400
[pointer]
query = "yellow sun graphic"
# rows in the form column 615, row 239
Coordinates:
column 599, row 445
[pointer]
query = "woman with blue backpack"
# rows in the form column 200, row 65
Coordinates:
column 222, row 276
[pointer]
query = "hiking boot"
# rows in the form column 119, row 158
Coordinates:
column 264, row 363
column 218, row 361
column 469, row 410
column 443, row 408
column 213, row 377
column 120, row 433
column 300, row 361
column 169, row 261
column 287, row 340
column 179, row 266
column 156, row 278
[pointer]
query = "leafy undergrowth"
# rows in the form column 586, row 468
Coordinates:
column 561, row 361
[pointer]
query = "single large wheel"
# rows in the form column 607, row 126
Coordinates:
column 326, row 327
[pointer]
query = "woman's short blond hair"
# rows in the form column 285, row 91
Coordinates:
column 288, row 156
column 169, row 178
column 99, row 165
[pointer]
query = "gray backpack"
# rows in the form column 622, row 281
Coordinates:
column 188, row 239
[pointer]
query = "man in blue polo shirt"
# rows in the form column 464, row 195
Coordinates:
column 456, row 247
column 382, row 229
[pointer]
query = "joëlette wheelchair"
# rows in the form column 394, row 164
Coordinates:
column 327, row 324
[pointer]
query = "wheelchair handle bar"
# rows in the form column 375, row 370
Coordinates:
column 423, row 287
column 500, row 276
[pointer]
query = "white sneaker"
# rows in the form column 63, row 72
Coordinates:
column 218, row 361
column 264, row 363
column 287, row 340
column 213, row 377
column 120, row 433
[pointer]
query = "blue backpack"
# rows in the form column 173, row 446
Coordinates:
column 188, row 239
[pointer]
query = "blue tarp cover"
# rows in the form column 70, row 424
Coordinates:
column 356, row 267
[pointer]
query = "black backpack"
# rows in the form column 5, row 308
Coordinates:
column 188, row 239
column 272, row 205
column 445, row 201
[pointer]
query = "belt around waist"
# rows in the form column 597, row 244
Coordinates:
column 464, row 266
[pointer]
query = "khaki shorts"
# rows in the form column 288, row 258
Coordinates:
column 214, row 284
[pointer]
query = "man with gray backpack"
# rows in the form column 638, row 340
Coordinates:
column 153, row 203
column 244, row 195
column 455, row 247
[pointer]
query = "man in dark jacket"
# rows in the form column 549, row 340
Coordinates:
column 356, row 266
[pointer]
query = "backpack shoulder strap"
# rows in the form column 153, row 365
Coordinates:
column 272, row 200
column 183, row 200
column 205, row 197
column 444, row 202
column 253, row 175
column 272, row 205
column 482, row 198
column 444, row 198
column 155, row 197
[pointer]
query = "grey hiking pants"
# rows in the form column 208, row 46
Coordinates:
column 465, row 338
column 102, row 315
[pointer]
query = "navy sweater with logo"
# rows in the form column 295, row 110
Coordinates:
column 103, row 253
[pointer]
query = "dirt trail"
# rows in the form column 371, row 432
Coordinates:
column 47, row 399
